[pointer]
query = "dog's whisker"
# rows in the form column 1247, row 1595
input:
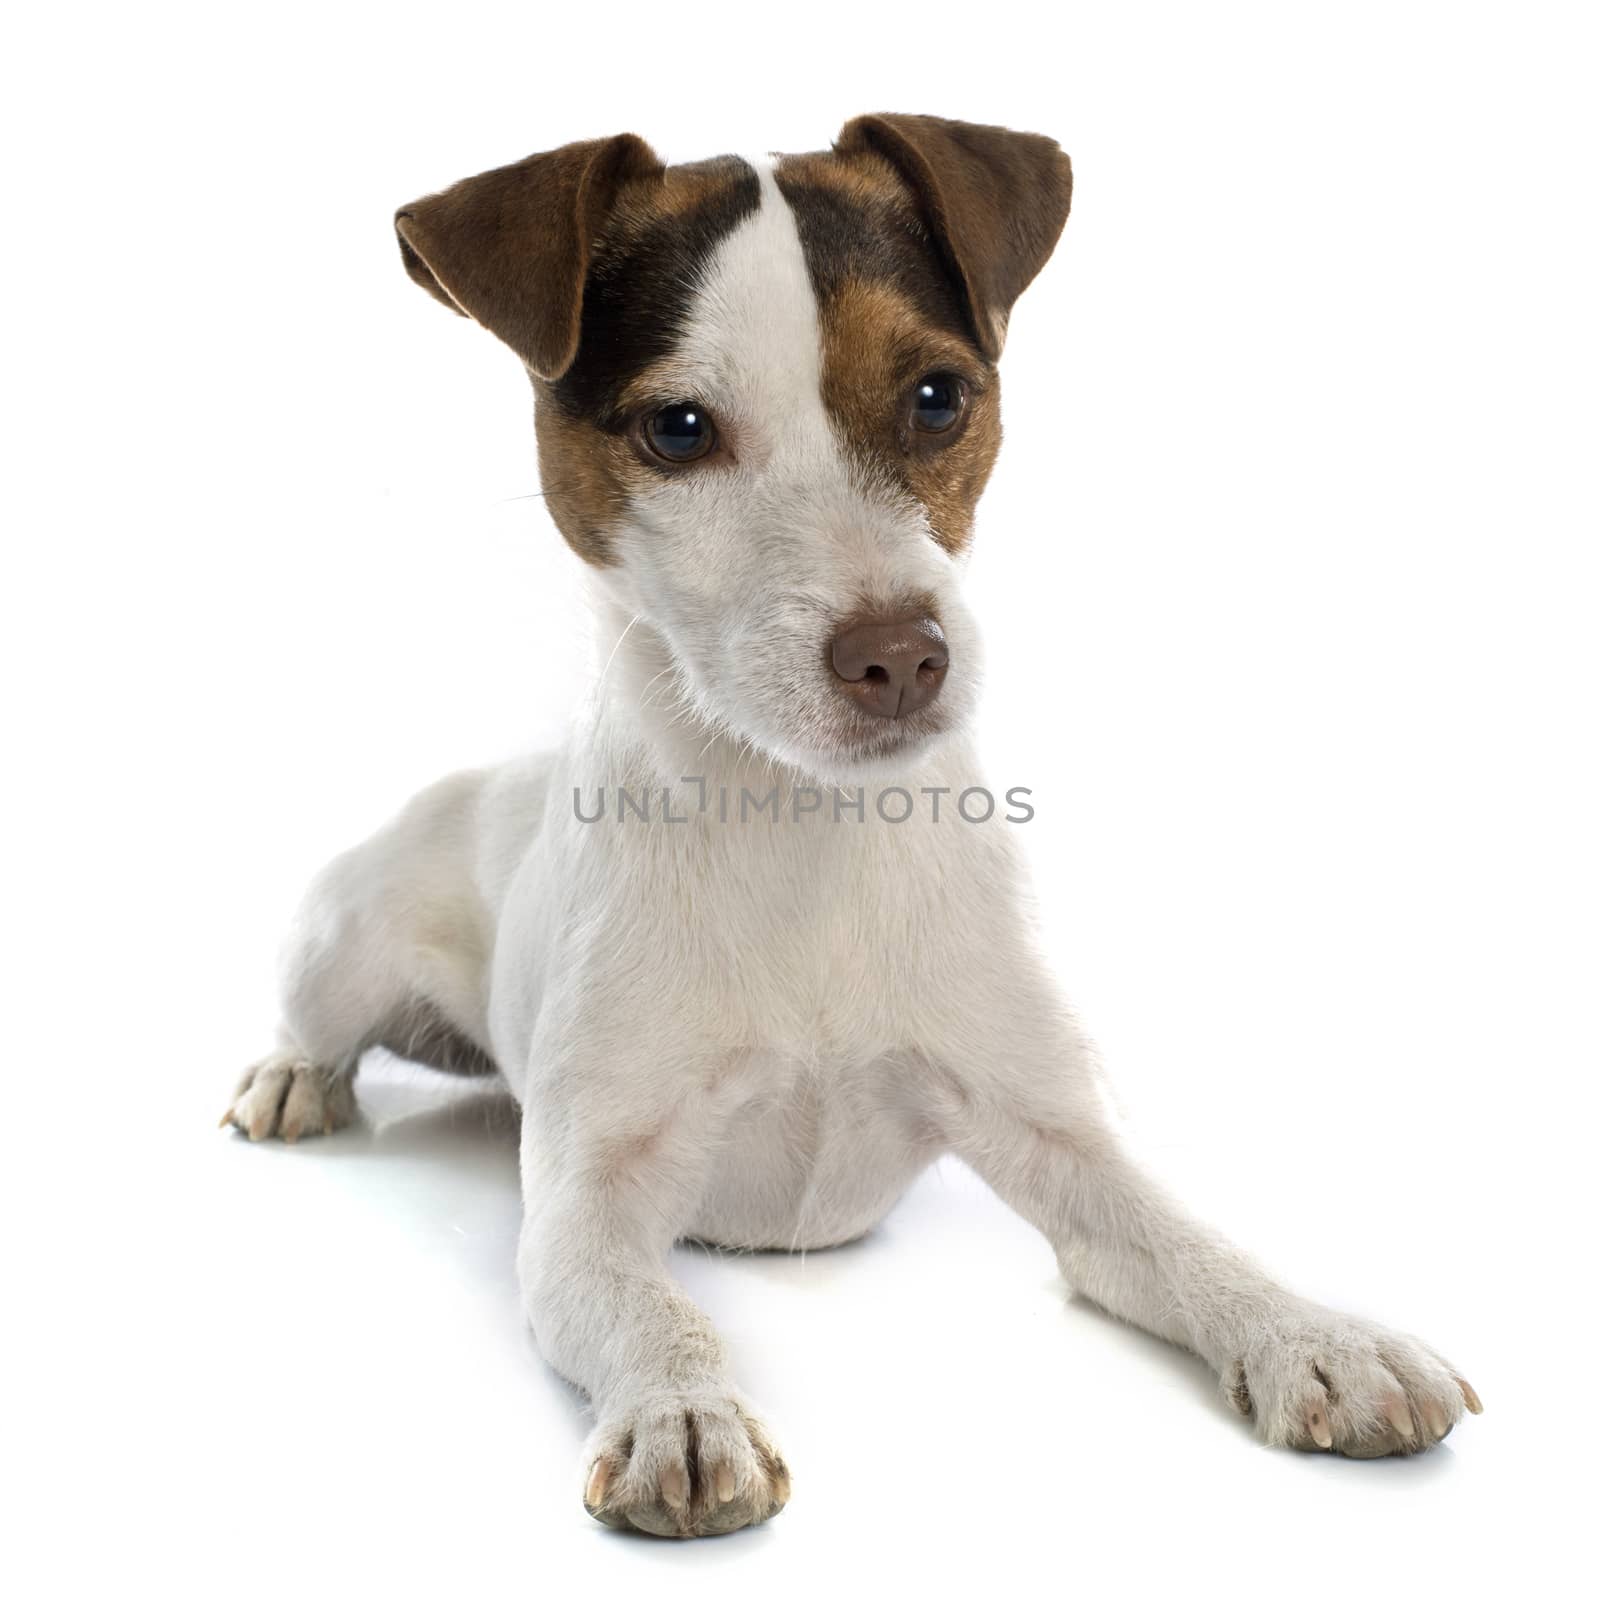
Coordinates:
column 636, row 618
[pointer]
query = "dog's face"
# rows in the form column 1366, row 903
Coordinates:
column 767, row 402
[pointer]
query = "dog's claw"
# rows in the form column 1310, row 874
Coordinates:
column 675, row 1487
column 1399, row 1415
column 599, row 1481
column 1433, row 1412
column 1317, row 1426
column 724, row 1483
column 1470, row 1395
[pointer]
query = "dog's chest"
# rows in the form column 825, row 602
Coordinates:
column 828, row 942
column 817, row 1155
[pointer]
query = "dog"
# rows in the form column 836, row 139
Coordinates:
column 737, row 1000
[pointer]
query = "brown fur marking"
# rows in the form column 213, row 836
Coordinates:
column 994, row 200
column 635, row 301
column 589, row 476
column 889, row 316
column 918, row 232
column 876, row 346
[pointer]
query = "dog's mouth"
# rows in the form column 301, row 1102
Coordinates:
column 871, row 737
column 857, row 748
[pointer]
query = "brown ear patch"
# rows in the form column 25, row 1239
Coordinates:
column 995, row 202
column 511, row 247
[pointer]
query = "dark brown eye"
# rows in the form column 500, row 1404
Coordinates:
column 679, row 433
column 936, row 402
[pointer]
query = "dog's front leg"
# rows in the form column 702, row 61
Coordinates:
column 1024, row 1109
column 615, row 1149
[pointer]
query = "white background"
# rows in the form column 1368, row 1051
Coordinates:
column 1288, row 575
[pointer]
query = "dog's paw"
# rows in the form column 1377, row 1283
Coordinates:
column 1316, row 1380
column 682, row 1465
column 286, row 1096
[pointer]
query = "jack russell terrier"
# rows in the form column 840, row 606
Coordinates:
column 766, row 405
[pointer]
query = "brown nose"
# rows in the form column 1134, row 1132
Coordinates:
column 891, row 668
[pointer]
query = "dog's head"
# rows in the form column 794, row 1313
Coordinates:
column 767, row 401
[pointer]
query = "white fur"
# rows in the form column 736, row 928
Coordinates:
column 758, row 1033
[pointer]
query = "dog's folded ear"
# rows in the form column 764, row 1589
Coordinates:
column 510, row 248
column 995, row 202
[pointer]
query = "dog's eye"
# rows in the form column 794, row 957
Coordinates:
column 936, row 402
column 680, row 432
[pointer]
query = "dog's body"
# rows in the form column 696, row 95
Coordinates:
column 743, row 1003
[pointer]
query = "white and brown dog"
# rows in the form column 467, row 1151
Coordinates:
column 752, row 1001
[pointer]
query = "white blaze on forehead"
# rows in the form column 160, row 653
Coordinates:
column 751, row 349
column 790, row 529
